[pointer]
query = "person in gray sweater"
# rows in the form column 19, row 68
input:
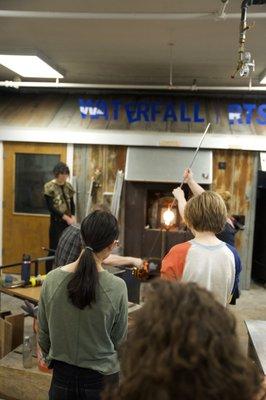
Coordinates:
column 83, row 316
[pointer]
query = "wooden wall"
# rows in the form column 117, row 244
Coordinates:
column 240, row 179
column 100, row 162
column 53, row 110
column 57, row 110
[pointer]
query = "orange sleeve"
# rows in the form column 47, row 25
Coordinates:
column 173, row 263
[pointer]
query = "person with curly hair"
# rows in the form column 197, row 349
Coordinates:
column 59, row 195
column 183, row 346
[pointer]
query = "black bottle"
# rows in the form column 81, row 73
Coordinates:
column 25, row 268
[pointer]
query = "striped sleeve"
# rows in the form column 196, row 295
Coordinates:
column 238, row 268
column 173, row 263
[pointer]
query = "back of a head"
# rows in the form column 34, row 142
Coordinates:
column 183, row 345
column 206, row 212
column 98, row 231
column 226, row 196
column 60, row 168
column 101, row 207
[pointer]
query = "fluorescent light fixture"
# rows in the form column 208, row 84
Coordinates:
column 29, row 66
column 263, row 78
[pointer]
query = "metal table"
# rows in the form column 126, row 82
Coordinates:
column 257, row 342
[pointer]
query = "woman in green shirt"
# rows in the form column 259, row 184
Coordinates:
column 83, row 316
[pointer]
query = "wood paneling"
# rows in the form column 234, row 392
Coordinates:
column 239, row 178
column 88, row 161
column 62, row 110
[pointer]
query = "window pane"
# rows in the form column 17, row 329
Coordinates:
column 32, row 172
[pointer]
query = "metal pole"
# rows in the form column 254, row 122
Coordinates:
column 36, row 269
column 194, row 157
column 163, row 245
column 197, row 150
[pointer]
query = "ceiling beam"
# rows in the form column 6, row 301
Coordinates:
column 69, row 85
column 124, row 16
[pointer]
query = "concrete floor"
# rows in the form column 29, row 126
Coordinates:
column 251, row 305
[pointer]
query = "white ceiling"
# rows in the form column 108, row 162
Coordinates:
column 124, row 51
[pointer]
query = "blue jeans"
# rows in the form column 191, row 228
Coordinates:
column 74, row 383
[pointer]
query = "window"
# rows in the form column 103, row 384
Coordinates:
column 32, row 171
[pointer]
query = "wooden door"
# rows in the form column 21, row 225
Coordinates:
column 25, row 217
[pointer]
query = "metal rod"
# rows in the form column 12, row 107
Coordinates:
column 49, row 250
column 39, row 259
column 82, row 85
column 197, row 150
column 171, row 65
column 119, row 16
column 194, row 157
column 105, row 16
column 163, row 244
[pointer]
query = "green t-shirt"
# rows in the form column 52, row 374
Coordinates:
column 87, row 338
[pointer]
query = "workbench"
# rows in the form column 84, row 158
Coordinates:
column 23, row 293
column 257, row 342
column 33, row 293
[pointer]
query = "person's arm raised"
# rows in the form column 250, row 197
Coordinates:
column 181, row 201
column 195, row 188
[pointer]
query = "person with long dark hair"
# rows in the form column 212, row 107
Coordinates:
column 83, row 316
column 183, row 346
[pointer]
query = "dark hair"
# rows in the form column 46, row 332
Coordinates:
column 183, row 345
column 98, row 230
column 60, row 168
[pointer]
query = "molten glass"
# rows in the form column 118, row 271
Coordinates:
column 168, row 217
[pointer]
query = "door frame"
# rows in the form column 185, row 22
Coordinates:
column 1, row 199
column 69, row 161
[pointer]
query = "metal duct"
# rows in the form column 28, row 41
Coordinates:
column 166, row 165
column 69, row 85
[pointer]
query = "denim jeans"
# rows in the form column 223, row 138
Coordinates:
column 74, row 383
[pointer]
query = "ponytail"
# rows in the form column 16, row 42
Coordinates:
column 82, row 286
column 98, row 230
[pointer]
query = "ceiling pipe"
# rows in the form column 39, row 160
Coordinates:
column 64, row 85
column 123, row 16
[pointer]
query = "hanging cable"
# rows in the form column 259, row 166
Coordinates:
column 171, row 65
column 245, row 65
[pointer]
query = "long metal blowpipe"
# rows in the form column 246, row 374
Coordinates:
column 194, row 157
